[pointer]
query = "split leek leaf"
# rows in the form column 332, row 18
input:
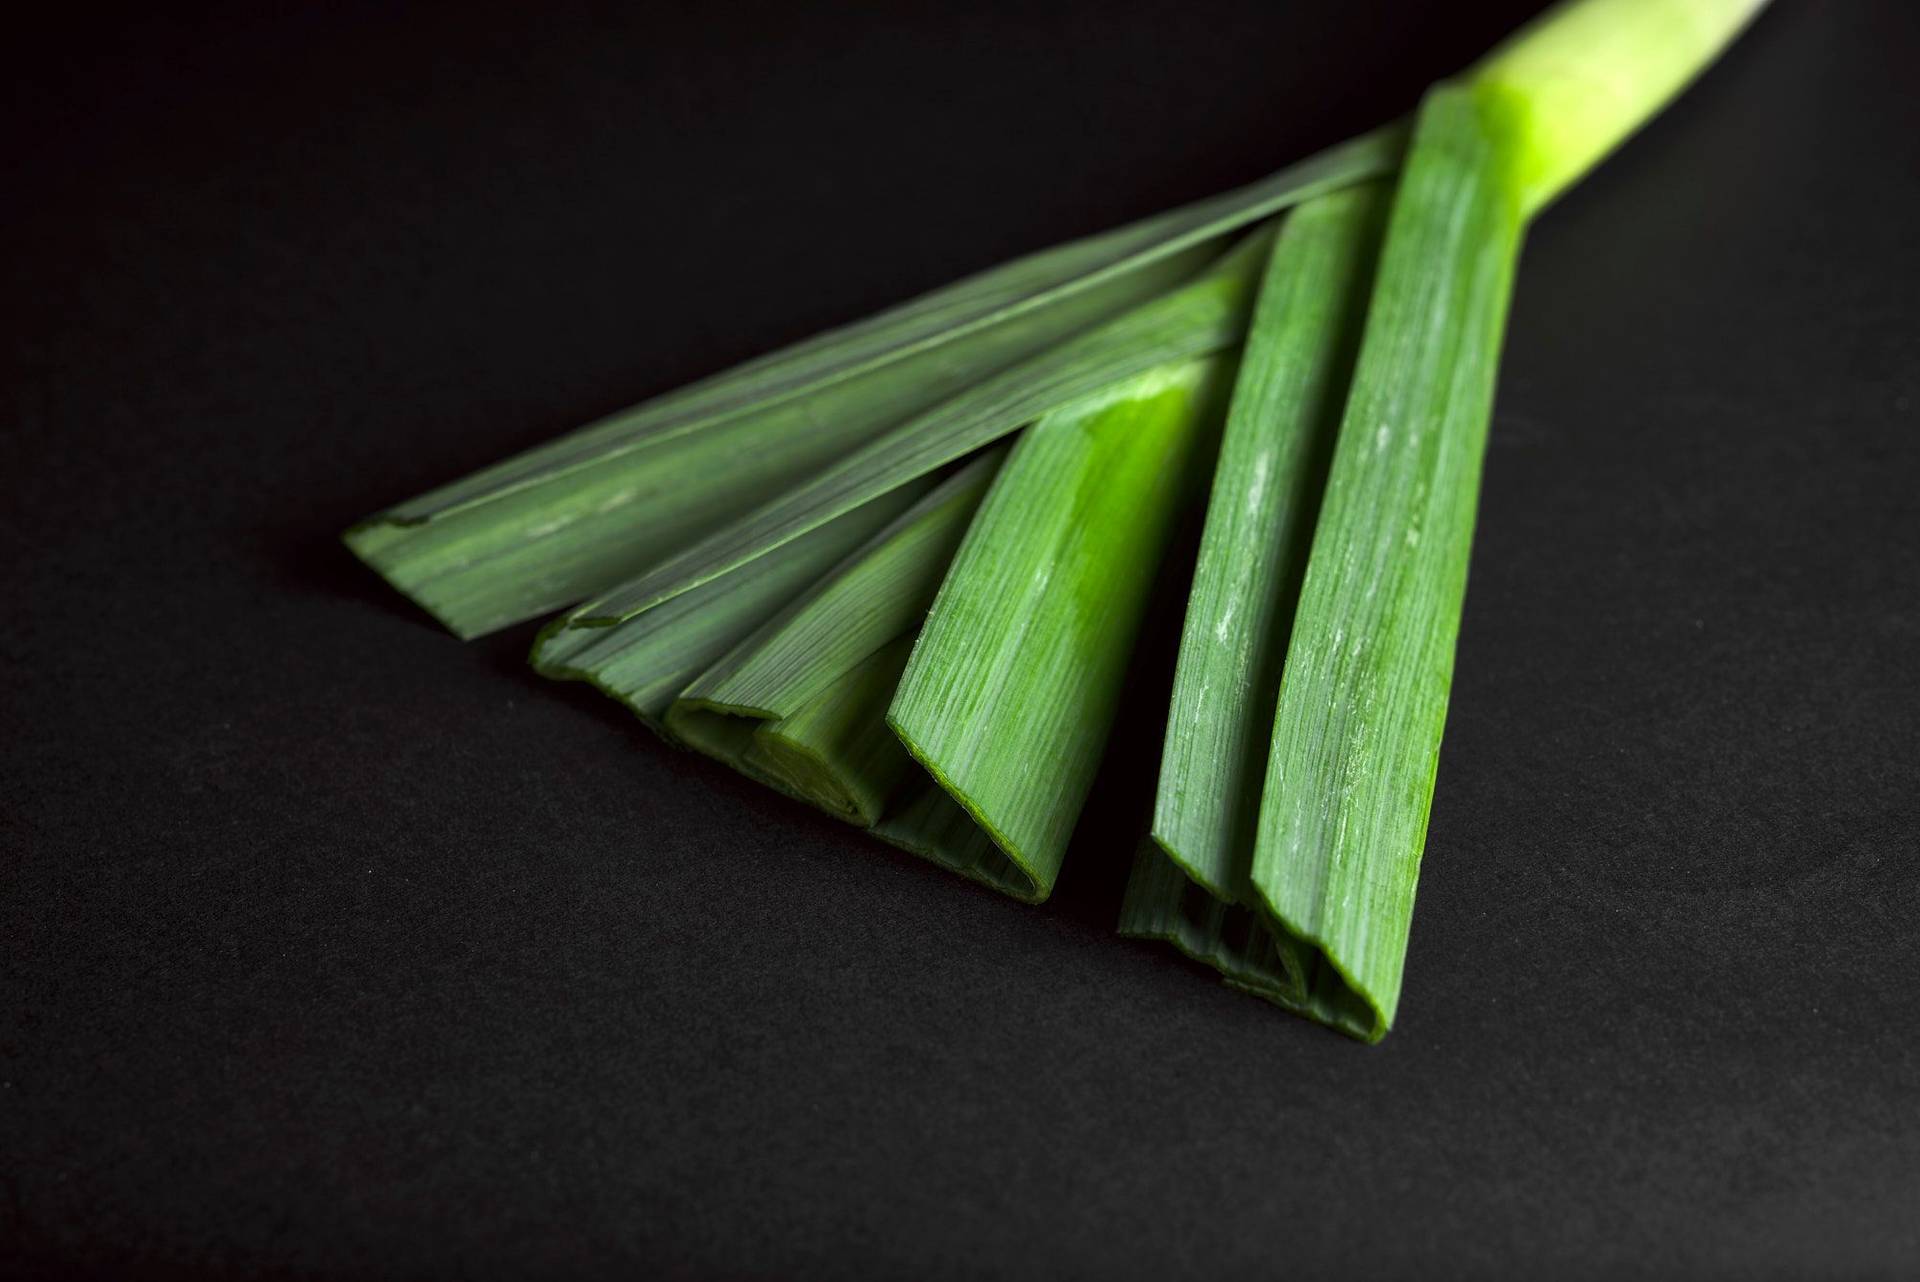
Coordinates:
column 880, row 592
column 838, row 750
column 1363, row 699
column 798, row 702
column 1019, row 670
column 548, row 544
column 565, row 520
column 645, row 662
column 1266, row 491
column 1362, row 702
column 1202, row 317
column 835, row 751
column 802, row 707
column 801, row 704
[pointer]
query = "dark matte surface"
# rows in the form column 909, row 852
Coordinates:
column 330, row 946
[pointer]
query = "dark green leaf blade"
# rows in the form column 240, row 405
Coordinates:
column 571, row 518
column 1363, row 701
column 646, row 662
column 945, row 316
column 880, row 592
column 801, row 703
column 1205, row 316
column 1266, row 492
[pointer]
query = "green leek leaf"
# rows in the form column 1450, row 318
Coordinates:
column 646, row 661
column 570, row 518
column 802, row 702
column 1321, row 923
column 757, row 552
column 1162, row 902
column 835, row 751
column 925, row 820
column 1266, row 492
column 1019, row 670
column 1202, row 317
column 1356, row 739
column 878, row 593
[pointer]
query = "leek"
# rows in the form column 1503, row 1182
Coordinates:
column 900, row 571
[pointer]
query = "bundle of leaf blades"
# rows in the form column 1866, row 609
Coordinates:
column 638, row 641
column 1206, row 315
column 571, row 519
column 646, row 660
column 899, row 571
column 1303, row 891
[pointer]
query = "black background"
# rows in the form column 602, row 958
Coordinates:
column 333, row 947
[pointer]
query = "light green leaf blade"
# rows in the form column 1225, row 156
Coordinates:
column 1019, row 670
column 1266, row 490
column 1363, row 700
column 1205, row 316
column 570, row 518
column 645, row 662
